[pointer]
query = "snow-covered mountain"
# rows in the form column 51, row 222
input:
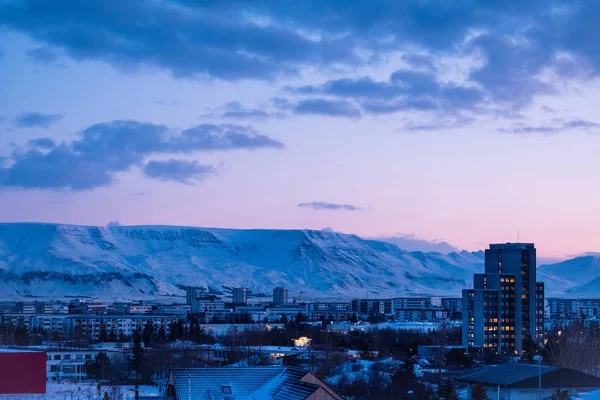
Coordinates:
column 134, row 262
column 577, row 277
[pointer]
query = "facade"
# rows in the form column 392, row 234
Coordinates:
column 240, row 296
column 22, row 372
column 69, row 364
column 421, row 315
column 335, row 311
column 206, row 303
column 506, row 304
column 373, row 306
column 453, row 306
column 573, row 308
column 280, row 295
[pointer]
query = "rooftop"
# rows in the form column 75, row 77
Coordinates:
column 526, row 376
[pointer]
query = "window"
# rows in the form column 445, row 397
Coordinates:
column 67, row 357
column 57, row 356
column 79, row 356
column 226, row 389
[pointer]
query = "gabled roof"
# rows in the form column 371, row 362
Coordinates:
column 505, row 374
column 526, row 376
column 204, row 383
column 276, row 382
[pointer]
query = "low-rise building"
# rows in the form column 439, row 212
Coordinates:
column 335, row 311
column 521, row 381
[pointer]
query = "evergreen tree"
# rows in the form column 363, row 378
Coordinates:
column 300, row 318
column 447, row 391
column 106, row 396
column 137, row 360
column 478, row 392
column 100, row 367
column 148, row 333
column 561, row 395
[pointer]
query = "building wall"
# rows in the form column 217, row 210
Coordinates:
column 525, row 394
column 22, row 372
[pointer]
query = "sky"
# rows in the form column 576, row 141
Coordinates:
column 462, row 122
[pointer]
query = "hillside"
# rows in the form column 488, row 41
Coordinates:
column 135, row 262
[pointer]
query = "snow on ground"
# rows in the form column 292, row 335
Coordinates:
column 80, row 391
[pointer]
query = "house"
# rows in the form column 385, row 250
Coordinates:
column 521, row 381
column 247, row 383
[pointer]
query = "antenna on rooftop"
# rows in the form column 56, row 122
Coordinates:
column 518, row 236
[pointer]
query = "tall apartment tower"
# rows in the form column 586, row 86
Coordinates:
column 506, row 304
column 240, row 296
column 280, row 295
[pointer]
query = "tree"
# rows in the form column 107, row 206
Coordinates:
column 106, row 396
column 148, row 333
column 137, row 360
column 478, row 392
column 447, row 390
column 561, row 395
column 300, row 318
column 100, row 367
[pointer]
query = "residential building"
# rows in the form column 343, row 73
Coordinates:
column 411, row 303
column 280, row 295
column 69, row 364
column 453, row 306
column 240, row 296
column 193, row 293
column 373, row 306
column 506, row 304
column 573, row 308
column 334, row 311
column 521, row 381
column 207, row 303
column 421, row 315
column 246, row 383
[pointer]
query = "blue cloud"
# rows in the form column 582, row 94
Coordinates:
column 331, row 108
column 36, row 119
column 181, row 171
column 558, row 126
column 104, row 149
column 42, row 143
column 321, row 205
column 234, row 110
column 42, row 55
column 405, row 90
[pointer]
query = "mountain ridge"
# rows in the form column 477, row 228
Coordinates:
column 158, row 261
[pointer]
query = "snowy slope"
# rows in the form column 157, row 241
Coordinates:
column 53, row 260
column 579, row 276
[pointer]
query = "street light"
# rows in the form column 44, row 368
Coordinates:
column 539, row 361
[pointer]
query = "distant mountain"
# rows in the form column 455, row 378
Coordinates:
column 411, row 243
column 142, row 262
column 578, row 277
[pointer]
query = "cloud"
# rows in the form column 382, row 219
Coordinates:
column 405, row 90
column 321, row 205
column 331, row 108
column 182, row 171
column 419, row 60
column 113, row 223
column 42, row 55
column 42, row 143
column 189, row 40
column 36, row 119
column 559, row 125
column 104, row 149
column 234, row 110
